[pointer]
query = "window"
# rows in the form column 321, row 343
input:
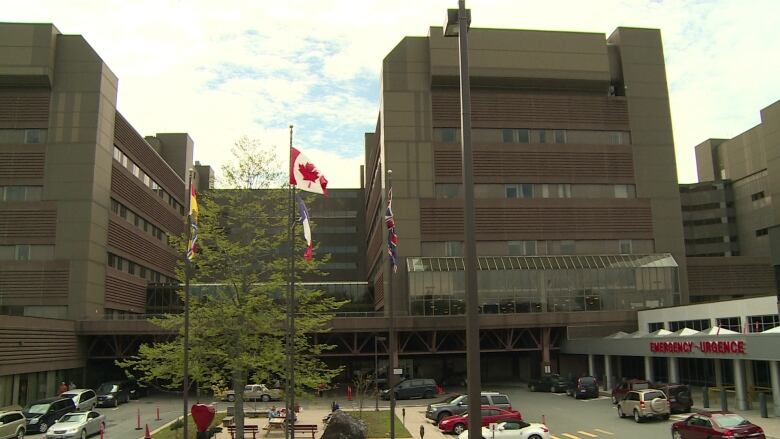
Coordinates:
column 567, row 247
column 445, row 134
column 522, row 248
column 448, row 190
column 696, row 325
column 515, row 136
column 34, row 136
column 625, row 246
column 621, row 191
column 615, row 138
column 762, row 323
column 22, row 252
column 757, row 196
column 559, row 136
column 453, row 248
column 655, row 326
column 524, row 190
column 762, row 232
column 730, row 323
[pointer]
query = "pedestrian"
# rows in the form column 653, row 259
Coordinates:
column 272, row 412
column 422, row 431
column 71, row 386
column 403, row 415
column 62, row 388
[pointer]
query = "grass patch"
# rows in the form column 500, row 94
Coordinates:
column 167, row 433
column 379, row 423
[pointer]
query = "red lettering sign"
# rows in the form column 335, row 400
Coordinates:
column 705, row 347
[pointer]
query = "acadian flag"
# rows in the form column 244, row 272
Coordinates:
column 392, row 238
column 192, row 247
column 306, row 228
column 305, row 175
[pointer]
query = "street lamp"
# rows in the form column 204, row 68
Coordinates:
column 376, row 372
column 457, row 25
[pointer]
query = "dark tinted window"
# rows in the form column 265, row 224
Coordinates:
column 88, row 395
column 649, row 396
column 483, row 400
column 587, row 380
column 500, row 399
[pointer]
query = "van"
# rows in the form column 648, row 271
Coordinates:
column 414, row 388
column 43, row 413
column 459, row 404
column 85, row 399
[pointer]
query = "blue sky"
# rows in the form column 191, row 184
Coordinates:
column 223, row 70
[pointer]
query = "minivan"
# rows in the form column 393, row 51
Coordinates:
column 12, row 425
column 459, row 404
column 414, row 388
column 583, row 387
column 85, row 399
column 43, row 413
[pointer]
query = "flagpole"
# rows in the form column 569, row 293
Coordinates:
column 391, row 330
column 187, row 274
column 291, row 308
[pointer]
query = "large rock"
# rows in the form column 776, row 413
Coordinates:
column 344, row 426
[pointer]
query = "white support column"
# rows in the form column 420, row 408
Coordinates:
column 718, row 373
column 674, row 369
column 608, row 381
column 591, row 365
column 739, row 384
column 649, row 375
column 774, row 375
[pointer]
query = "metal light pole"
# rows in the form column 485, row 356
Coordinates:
column 458, row 21
column 376, row 372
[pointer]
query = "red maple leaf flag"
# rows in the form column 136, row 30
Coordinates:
column 305, row 175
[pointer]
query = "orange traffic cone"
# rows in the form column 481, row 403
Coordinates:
column 147, row 435
column 349, row 393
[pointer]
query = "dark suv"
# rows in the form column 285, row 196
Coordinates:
column 620, row 391
column 548, row 383
column 43, row 413
column 679, row 395
column 414, row 388
column 113, row 393
column 583, row 387
column 459, row 404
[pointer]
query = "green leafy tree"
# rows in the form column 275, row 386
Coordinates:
column 237, row 302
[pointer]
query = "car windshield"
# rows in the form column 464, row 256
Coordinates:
column 68, row 395
column 449, row 399
column 730, row 420
column 38, row 409
column 107, row 388
column 649, row 396
column 587, row 380
column 74, row 417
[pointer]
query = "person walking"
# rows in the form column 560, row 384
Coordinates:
column 62, row 388
column 422, row 431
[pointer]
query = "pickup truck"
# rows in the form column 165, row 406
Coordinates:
column 254, row 392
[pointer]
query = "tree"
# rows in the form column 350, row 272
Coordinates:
column 238, row 320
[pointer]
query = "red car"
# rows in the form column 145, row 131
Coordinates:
column 459, row 423
column 716, row 424
column 623, row 388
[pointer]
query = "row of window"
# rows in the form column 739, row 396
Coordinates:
column 334, row 249
column 148, row 181
column 528, row 136
column 137, row 220
column 26, row 252
column 758, row 323
column 338, row 266
column 21, row 193
column 705, row 206
column 709, row 221
column 711, row 240
column 534, row 247
column 139, row 270
column 27, row 136
column 538, row 190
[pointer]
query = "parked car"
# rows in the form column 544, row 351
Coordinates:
column 643, row 404
column 85, row 399
column 679, row 395
column 716, row 424
column 459, row 404
column 137, row 390
column 626, row 386
column 254, row 392
column 583, row 387
column 458, row 423
column 113, row 393
column 13, row 424
column 548, row 383
column 414, row 388
column 514, row 430
column 77, row 425
column 43, row 413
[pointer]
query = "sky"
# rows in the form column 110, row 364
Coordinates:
column 223, row 70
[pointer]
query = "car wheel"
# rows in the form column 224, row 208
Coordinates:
column 620, row 412
column 665, row 417
column 265, row 398
column 83, row 434
column 42, row 427
column 676, row 434
column 428, row 394
column 442, row 415
column 532, row 387
column 637, row 418
column 534, row 436
column 458, row 428
column 231, row 398
column 20, row 434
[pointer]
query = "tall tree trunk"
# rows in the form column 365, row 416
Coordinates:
column 239, row 382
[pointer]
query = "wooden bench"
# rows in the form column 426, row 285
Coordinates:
column 247, row 429
column 306, row 428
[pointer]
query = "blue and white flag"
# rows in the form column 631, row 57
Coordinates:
column 306, row 228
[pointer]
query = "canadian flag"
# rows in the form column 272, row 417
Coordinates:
column 305, row 175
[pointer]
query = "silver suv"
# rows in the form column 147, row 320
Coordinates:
column 458, row 404
column 642, row 404
column 12, row 424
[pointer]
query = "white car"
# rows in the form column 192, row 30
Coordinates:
column 513, row 430
column 77, row 425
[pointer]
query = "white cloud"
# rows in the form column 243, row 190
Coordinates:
column 223, row 70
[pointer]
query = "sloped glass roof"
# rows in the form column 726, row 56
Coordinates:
column 562, row 262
